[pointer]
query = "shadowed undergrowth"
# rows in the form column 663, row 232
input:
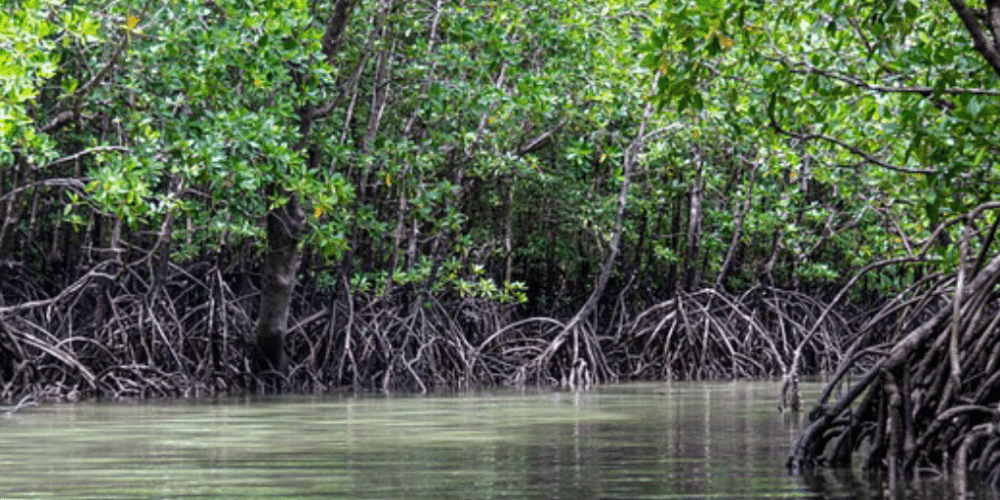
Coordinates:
column 120, row 332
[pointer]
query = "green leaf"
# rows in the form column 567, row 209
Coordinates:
column 69, row 85
column 978, row 160
column 974, row 106
column 696, row 101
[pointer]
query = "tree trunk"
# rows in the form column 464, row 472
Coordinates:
column 284, row 227
column 284, row 230
column 693, row 234
column 675, row 244
column 734, row 241
column 12, row 210
column 585, row 343
column 507, row 223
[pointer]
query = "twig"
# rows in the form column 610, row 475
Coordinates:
column 27, row 400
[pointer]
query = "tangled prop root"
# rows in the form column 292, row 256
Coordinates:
column 710, row 334
column 927, row 399
column 126, row 336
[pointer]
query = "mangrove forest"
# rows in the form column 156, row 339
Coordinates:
column 231, row 197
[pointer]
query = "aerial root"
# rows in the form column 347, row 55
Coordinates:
column 927, row 400
column 125, row 334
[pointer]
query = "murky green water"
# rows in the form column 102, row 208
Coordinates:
column 678, row 440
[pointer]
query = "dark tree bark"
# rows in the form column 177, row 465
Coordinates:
column 12, row 210
column 284, row 231
column 979, row 25
column 285, row 223
column 334, row 35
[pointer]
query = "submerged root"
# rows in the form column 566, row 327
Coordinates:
column 928, row 396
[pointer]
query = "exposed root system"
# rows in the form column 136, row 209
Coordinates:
column 709, row 334
column 120, row 333
column 927, row 396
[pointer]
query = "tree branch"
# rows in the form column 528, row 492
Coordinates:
column 853, row 149
column 857, row 82
column 85, row 152
column 979, row 42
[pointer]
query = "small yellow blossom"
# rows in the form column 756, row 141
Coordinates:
column 319, row 211
column 132, row 22
column 388, row 180
column 603, row 157
column 696, row 133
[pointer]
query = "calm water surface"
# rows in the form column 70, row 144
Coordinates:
column 642, row 441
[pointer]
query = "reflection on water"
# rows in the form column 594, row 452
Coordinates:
column 676, row 440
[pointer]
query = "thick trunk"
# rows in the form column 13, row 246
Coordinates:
column 284, row 230
column 285, row 223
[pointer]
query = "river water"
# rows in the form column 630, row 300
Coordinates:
column 677, row 440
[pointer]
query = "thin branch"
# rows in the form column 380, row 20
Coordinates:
column 979, row 41
column 853, row 149
column 539, row 141
column 85, row 152
column 857, row 82
column 59, row 182
column 28, row 400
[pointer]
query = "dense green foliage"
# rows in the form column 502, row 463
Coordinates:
column 476, row 151
column 859, row 127
column 457, row 178
column 476, row 146
column 177, row 116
